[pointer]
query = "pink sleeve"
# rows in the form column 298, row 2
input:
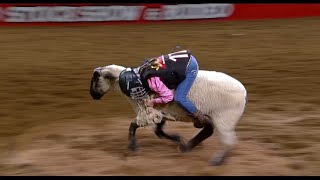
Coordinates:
column 165, row 95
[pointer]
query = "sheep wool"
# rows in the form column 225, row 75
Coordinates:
column 147, row 116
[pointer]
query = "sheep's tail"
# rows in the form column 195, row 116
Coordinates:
column 246, row 98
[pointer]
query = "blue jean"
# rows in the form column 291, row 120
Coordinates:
column 184, row 87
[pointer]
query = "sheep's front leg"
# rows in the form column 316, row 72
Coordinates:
column 161, row 134
column 132, row 136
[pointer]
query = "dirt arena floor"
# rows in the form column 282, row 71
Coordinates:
column 51, row 126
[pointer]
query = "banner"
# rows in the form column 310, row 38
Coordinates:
column 61, row 14
column 75, row 13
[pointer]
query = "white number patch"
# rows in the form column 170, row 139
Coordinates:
column 180, row 54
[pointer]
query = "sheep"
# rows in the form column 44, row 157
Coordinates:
column 217, row 94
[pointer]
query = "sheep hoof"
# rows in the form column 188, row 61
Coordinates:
column 217, row 161
column 133, row 146
column 184, row 148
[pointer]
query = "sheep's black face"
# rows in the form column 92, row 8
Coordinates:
column 95, row 93
column 101, row 81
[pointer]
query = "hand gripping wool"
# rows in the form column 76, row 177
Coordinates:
column 147, row 116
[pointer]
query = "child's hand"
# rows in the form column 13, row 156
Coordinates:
column 149, row 102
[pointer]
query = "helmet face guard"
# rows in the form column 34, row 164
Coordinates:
column 138, row 93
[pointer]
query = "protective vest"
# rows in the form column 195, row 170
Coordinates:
column 171, row 68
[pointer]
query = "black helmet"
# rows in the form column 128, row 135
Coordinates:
column 131, row 85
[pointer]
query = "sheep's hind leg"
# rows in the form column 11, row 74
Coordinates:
column 228, row 140
column 220, row 157
column 173, row 137
column 204, row 133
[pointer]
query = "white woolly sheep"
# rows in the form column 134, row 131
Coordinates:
column 217, row 94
